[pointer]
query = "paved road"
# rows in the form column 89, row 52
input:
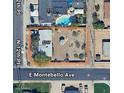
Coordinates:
column 18, row 29
column 79, row 74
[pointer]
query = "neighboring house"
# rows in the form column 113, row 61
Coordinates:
column 102, row 45
column 78, row 5
column 48, row 8
column 107, row 12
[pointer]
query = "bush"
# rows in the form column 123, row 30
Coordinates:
column 98, row 25
column 83, row 46
column 74, row 33
column 32, row 19
column 76, row 55
column 81, row 55
column 77, row 43
column 31, row 7
column 40, row 57
column 95, row 17
column 97, row 7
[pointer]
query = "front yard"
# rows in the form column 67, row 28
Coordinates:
column 37, row 87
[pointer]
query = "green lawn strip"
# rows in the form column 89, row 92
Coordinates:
column 101, row 88
column 17, row 89
column 41, row 87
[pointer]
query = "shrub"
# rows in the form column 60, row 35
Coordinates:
column 97, row 7
column 98, row 25
column 76, row 55
column 77, row 43
column 81, row 55
column 31, row 7
column 74, row 33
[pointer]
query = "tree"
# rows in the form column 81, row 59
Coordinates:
column 81, row 55
column 39, row 57
column 97, row 7
column 32, row 19
column 98, row 25
column 31, row 7
column 76, row 55
column 67, row 55
column 95, row 17
column 83, row 46
column 74, row 33
column 77, row 43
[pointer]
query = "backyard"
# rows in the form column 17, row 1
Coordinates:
column 69, row 45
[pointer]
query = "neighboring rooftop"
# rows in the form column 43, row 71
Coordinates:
column 102, row 44
column 43, row 8
column 107, row 12
column 106, row 9
column 78, row 5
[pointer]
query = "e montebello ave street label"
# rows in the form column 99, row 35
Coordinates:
column 51, row 75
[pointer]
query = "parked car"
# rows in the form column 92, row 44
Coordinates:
column 80, row 87
column 63, row 87
column 85, row 88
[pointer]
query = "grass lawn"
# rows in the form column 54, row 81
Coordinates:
column 41, row 87
column 101, row 88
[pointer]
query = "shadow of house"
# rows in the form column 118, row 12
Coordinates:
column 30, row 91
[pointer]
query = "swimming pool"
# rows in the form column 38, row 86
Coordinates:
column 64, row 20
column 69, row 2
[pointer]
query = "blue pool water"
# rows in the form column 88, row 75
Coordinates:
column 69, row 2
column 63, row 21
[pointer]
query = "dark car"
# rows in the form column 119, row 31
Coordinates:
column 85, row 88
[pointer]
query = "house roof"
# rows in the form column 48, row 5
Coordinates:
column 45, row 43
column 78, row 5
column 43, row 8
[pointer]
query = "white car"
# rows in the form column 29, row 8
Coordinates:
column 63, row 88
column 85, row 88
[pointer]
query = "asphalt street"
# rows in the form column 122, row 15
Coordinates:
column 79, row 74
column 17, row 29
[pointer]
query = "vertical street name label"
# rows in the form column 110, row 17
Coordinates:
column 19, row 7
column 18, row 52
